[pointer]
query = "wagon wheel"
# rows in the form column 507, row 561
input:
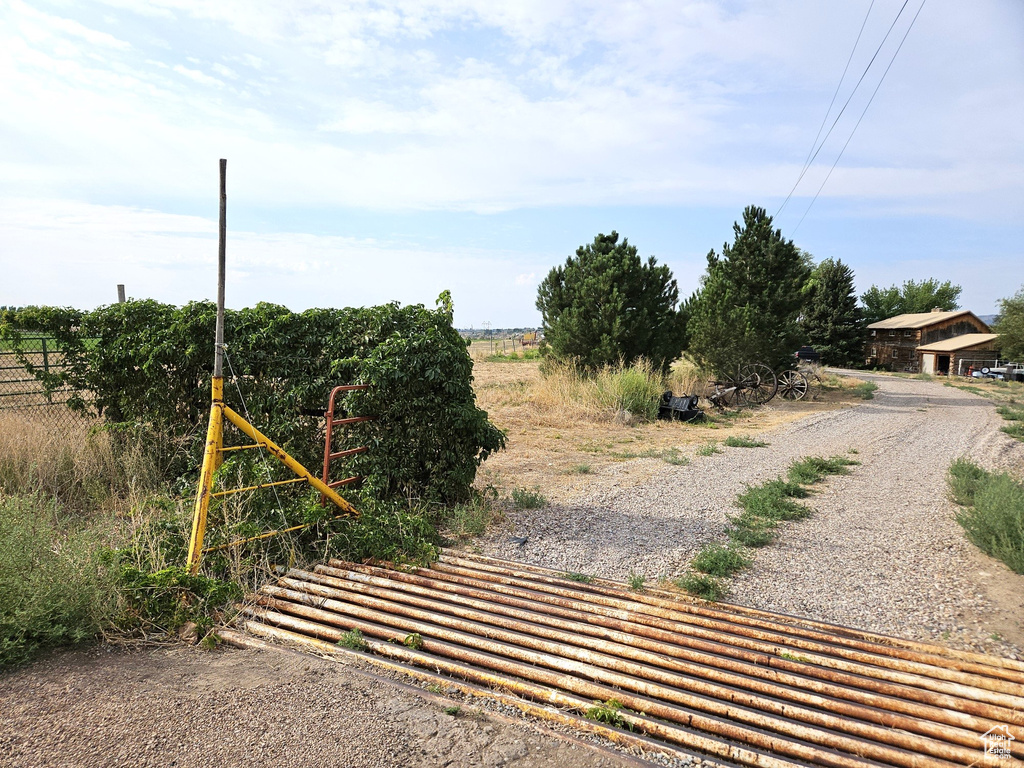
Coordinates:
column 759, row 384
column 719, row 393
column 793, row 385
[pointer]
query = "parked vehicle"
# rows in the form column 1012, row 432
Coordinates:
column 807, row 354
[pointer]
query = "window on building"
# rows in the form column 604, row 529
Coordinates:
column 892, row 333
column 895, row 354
column 908, row 334
column 874, row 333
column 874, row 351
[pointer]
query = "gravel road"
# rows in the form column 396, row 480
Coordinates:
column 883, row 551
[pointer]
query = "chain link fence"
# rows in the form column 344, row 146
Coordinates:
column 23, row 394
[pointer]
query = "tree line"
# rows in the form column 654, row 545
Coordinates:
column 759, row 300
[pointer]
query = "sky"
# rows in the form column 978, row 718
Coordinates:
column 387, row 151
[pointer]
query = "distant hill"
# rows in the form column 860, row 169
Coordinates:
column 988, row 319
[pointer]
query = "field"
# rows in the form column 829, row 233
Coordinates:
column 559, row 444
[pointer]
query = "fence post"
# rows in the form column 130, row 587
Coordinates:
column 46, row 370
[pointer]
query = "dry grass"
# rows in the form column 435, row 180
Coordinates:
column 554, row 428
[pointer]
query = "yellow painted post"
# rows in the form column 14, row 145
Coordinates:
column 287, row 460
column 211, row 460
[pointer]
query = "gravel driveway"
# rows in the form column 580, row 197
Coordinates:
column 883, row 551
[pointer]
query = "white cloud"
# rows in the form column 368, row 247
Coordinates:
column 200, row 77
column 528, row 278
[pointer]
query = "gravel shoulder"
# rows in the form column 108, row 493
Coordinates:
column 181, row 706
column 883, row 551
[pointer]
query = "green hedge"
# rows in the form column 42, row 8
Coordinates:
column 149, row 364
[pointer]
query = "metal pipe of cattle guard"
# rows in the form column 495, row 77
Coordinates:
column 571, row 674
column 623, row 644
column 436, row 652
column 975, row 700
column 765, row 621
column 952, row 709
column 834, row 630
column 935, row 667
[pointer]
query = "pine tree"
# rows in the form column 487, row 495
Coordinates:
column 832, row 320
column 750, row 299
column 606, row 305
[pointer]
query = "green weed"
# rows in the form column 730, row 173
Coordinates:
column 719, row 560
column 708, row 449
column 580, row 469
column 607, row 712
column 736, row 441
column 453, row 711
column 993, row 511
column 814, row 469
column 414, row 641
column 582, row 578
column 865, row 389
column 701, row 585
column 55, row 589
column 353, row 640
column 773, row 501
column 636, row 582
column 526, row 499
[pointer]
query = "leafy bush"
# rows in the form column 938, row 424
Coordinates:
column 166, row 600
column 54, row 588
column 151, row 365
column 993, row 513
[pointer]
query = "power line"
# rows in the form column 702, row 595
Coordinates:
column 905, row 34
column 839, row 85
column 841, row 111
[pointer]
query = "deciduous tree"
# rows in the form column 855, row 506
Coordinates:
column 1010, row 326
column 914, row 297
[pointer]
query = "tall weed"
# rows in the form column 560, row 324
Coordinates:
column 55, row 589
column 993, row 511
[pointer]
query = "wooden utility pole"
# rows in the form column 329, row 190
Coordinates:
column 120, row 293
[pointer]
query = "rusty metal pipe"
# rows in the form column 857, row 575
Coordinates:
column 969, row 693
column 439, row 650
column 924, row 664
column 957, row 710
column 690, row 739
column 579, row 664
column 735, row 608
column 925, row 720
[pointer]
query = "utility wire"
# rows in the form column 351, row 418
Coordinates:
column 841, row 111
column 839, row 85
column 905, row 34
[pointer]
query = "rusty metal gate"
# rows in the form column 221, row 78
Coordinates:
column 738, row 684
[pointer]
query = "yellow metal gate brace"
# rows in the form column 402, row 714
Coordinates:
column 213, row 454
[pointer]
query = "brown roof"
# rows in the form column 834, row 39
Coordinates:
column 955, row 344
column 920, row 319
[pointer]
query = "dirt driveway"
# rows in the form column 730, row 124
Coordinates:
column 882, row 552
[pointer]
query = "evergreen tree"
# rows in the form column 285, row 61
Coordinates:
column 750, row 299
column 605, row 305
column 913, row 298
column 832, row 320
column 1010, row 326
